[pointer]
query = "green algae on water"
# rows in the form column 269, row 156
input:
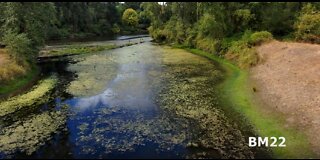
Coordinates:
column 190, row 92
column 93, row 74
column 37, row 95
column 125, row 134
column 27, row 136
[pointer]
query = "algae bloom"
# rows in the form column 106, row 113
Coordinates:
column 37, row 95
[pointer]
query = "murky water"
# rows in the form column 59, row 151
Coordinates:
column 109, row 106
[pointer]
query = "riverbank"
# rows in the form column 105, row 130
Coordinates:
column 237, row 94
column 19, row 84
column 15, row 77
column 37, row 95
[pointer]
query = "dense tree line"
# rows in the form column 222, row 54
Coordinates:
column 232, row 28
column 211, row 26
column 26, row 26
column 225, row 19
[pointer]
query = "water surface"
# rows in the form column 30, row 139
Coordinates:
column 112, row 107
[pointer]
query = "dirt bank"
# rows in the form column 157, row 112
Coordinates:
column 3, row 57
column 288, row 81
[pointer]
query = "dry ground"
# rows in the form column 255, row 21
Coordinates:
column 288, row 81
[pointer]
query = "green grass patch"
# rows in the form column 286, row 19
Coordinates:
column 238, row 96
column 19, row 82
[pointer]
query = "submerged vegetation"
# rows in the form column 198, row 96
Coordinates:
column 84, row 49
column 76, row 49
column 93, row 74
column 200, row 108
column 37, row 95
column 27, row 136
column 190, row 93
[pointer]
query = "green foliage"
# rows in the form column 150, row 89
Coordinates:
column 242, row 18
column 208, row 45
column 10, row 69
column 33, row 19
column 18, row 44
column 241, row 51
column 242, row 55
column 130, row 17
column 209, row 27
column 19, row 79
column 258, row 38
column 177, row 31
column 308, row 24
column 157, row 34
column 275, row 17
column 116, row 29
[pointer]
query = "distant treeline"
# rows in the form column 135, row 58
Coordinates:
column 232, row 28
column 26, row 26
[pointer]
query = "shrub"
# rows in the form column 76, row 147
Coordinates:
column 130, row 17
column 115, row 29
column 308, row 25
column 10, row 69
column 258, row 38
column 242, row 17
column 248, row 58
column 157, row 34
column 208, row 26
column 207, row 44
column 241, row 53
column 191, row 37
column 18, row 44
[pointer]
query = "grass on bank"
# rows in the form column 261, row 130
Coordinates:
column 13, row 75
column 238, row 96
column 19, row 82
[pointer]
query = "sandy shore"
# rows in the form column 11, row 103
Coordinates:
column 288, row 81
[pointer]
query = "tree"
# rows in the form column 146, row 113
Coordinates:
column 308, row 24
column 207, row 26
column 130, row 17
column 24, row 27
column 33, row 19
column 242, row 17
column 18, row 45
column 276, row 17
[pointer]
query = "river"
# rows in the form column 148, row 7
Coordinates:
column 140, row 101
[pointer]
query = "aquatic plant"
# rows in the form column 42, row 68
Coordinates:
column 78, row 49
column 93, row 74
column 27, row 136
column 37, row 95
column 190, row 93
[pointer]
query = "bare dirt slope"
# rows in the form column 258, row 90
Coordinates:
column 288, row 81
